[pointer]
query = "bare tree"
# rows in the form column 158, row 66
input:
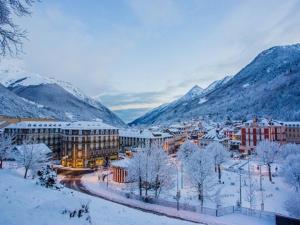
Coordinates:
column 200, row 170
column 267, row 152
column 219, row 155
column 31, row 156
column 11, row 35
column 6, row 145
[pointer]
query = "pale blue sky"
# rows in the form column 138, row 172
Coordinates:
column 138, row 53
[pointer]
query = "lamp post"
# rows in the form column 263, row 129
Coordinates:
column 240, row 173
column 181, row 167
column 261, row 190
column 178, row 191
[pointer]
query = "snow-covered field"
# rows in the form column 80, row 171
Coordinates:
column 24, row 202
column 275, row 194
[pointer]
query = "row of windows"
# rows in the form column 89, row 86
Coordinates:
column 94, row 146
column 90, row 132
column 294, row 135
column 91, row 139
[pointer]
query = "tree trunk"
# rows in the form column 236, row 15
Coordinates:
column 25, row 175
column 1, row 162
column 219, row 172
column 156, row 187
column 270, row 173
column 140, row 186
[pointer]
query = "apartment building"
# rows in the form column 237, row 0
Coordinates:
column 292, row 132
column 144, row 139
column 253, row 132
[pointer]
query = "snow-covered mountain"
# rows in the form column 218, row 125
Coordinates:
column 59, row 99
column 267, row 86
column 13, row 105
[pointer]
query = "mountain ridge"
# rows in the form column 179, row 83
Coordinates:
column 60, row 99
column 267, row 86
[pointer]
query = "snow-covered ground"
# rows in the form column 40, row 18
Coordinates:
column 114, row 191
column 274, row 194
column 24, row 202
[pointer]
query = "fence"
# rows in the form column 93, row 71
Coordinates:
column 255, row 212
column 220, row 211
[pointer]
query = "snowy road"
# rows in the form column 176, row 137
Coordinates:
column 72, row 179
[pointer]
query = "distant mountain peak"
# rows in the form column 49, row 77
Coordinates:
column 61, row 99
column 193, row 92
column 196, row 88
column 267, row 86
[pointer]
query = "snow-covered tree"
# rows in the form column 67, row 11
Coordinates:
column 219, row 154
column 289, row 149
column 200, row 170
column 186, row 150
column 136, row 171
column 150, row 169
column 6, row 145
column 292, row 205
column 47, row 177
column 267, row 152
column 11, row 36
column 291, row 171
column 31, row 156
column 161, row 170
column 251, row 190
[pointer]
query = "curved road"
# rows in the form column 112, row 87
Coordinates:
column 72, row 179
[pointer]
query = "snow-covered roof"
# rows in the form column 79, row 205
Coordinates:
column 41, row 148
column 264, row 122
column 63, row 125
column 177, row 126
column 213, row 135
column 123, row 163
column 174, row 130
column 143, row 134
column 292, row 124
column 89, row 125
column 37, row 124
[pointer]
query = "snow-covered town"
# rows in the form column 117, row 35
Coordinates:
column 154, row 112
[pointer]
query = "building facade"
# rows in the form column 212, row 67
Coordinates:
column 254, row 132
column 45, row 132
column 292, row 132
column 76, row 144
column 144, row 139
column 89, row 144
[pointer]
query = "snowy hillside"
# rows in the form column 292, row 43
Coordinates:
column 267, row 86
column 35, row 205
column 11, row 105
column 60, row 98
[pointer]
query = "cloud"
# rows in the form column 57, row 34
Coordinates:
column 145, row 53
column 134, row 100
column 157, row 13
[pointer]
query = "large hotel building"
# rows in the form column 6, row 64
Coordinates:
column 76, row 144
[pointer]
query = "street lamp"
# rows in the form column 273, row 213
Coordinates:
column 178, row 191
column 240, row 173
column 261, row 189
